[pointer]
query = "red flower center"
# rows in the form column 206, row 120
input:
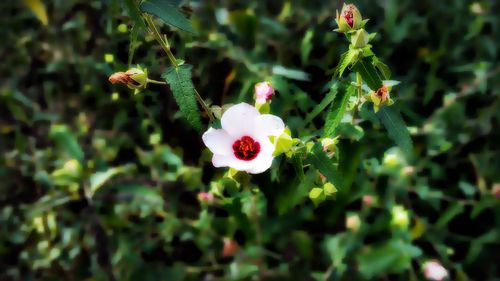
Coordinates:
column 348, row 16
column 246, row 148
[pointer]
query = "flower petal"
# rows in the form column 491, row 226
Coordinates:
column 261, row 164
column 218, row 141
column 269, row 125
column 238, row 120
column 231, row 161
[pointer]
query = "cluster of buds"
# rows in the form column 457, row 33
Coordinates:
column 381, row 97
column 350, row 22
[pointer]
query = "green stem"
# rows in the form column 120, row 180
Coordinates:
column 359, row 84
column 156, row 82
column 165, row 45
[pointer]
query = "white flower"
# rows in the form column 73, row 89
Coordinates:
column 263, row 92
column 433, row 270
column 243, row 142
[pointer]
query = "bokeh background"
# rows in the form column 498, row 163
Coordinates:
column 145, row 165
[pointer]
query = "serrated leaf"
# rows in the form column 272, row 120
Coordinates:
column 396, row 127
column 369, row 74
column 325, row 165
column 298, row 166
column 168, row 14
column 346, row 59
column 179, row 79
column 337, row 110
column 382, row 67
column 330, row 96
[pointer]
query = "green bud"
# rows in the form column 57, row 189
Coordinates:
column 329, row 189
column 317, row 195
column 400, row 217
column 360, row 38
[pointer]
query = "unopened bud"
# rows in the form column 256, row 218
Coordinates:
column 264, row 92
column 368, row 200
column 496, row 190
column 349, row 19
column 360, row 38
column 433, row 270
column 353, row 222
column 400, row 217
column 134, row 78
column 206, row 197
column 230, row 247
column 329, row 144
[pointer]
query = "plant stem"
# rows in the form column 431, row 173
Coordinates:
column 165, row 45
column 359, row 84
column 157, row 82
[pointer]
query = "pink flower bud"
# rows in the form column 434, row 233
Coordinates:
column 368, row 200
column 263, row 92
column 230, row 247
column 206, row 197
column 434, row 271
column 496, row 190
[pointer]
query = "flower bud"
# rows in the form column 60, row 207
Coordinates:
column 400, row 217
column 433, row 270
column 360, row 38
column 134, row 78
column 206, row 197
column 230, row 247
column 349, row 19
column 353, row 222
column 381, row 97
column 496, row 190
column 263, row 92
column 368, row 200
column 329, row 144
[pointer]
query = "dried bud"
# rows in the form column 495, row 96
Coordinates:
column 134, row 78
column 230, row 247
column 381, row 97
column 360, row 38
column 433, row 270
column 263, row 92
column 349, row 19
column 206, row 197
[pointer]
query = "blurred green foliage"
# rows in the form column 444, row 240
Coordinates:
column 100, row 184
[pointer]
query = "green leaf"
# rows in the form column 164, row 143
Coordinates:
column 179, row 79
column 134, row 13
column 337, row 110
column 320, row 161
column 67, row 140
column 298, row 166
column 98, row 179
column 382, row 67
column 369, row 74
column 317, row 196
column 323, row 104
column 290, row 73
column 346, row 59
column 306, row 46
column 168, row 14
column 452, row 211
column 393, row 122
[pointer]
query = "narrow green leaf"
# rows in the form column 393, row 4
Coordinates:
column 180, row 82
column 325, row 165
column 452, row 211
column 393, row 122
column 323, row 104
column 337, row 110
column 306, row 46
column 67, row 140
column 168, row 14
column 134, row 13
column 369, row 74
column 98, row 179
